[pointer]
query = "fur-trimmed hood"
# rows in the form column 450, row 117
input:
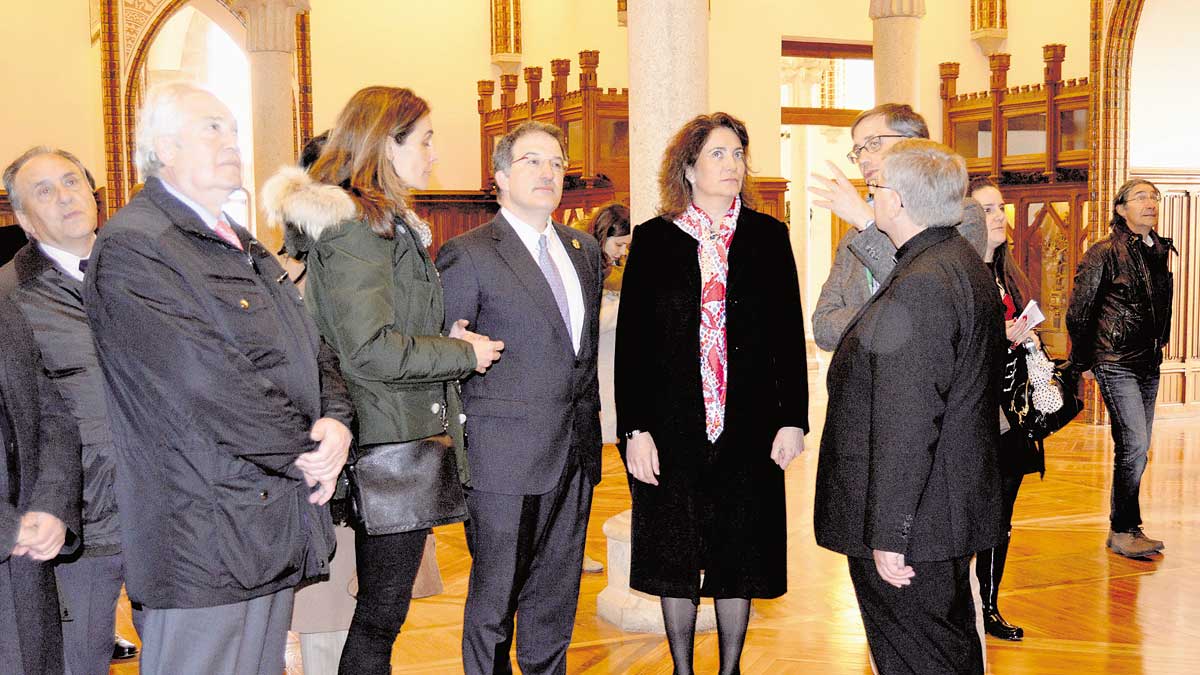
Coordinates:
column 304, row 208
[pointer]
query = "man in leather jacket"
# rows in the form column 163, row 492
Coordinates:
column 1119, row 320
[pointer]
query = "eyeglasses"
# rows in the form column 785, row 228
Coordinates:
column 536, row 162
column 1144, row 197
column 872, row 144
column 877, row 186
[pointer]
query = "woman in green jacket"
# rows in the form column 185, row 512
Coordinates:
column 377, row 300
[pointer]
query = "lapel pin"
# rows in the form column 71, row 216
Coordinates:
column 575, row 243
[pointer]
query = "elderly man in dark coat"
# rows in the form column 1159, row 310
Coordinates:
column 52, row 195
column 907, row 482
column 40, row 480
column 229, row 416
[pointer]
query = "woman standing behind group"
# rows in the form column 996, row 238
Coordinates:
column 376, row 298
column 1018, row 455
column 711, row 388
column 610, row 226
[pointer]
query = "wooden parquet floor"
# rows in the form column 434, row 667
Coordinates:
column 1084, row 609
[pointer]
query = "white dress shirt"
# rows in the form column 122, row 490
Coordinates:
column 68, row 262
column 209, row 219
column 566, row 269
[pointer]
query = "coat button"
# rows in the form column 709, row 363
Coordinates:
column 263, row 495
column 435, row 408
column 462, row 418
column 244, row 303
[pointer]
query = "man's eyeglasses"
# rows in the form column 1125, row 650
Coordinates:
column 1144, row 197
column 536, row 162
column 877, row 186
column 872, row 144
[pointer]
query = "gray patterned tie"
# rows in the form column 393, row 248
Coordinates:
column 550, row 271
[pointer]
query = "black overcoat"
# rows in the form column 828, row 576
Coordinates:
column 720, row 511
column 214, row 375
column 52, row 302
column 39, row 471
column 908, row 453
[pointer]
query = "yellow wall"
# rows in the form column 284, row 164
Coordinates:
column 440, row 49
column 51, row 82
column 1162, row 98
column 945, row 36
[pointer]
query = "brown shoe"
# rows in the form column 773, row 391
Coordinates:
column 1131, row 545
column 1141, row 536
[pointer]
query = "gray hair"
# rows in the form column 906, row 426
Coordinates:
column 159, row 116
column 930, row 179
column 502, row 158
column 10, row 173
column 899, row 117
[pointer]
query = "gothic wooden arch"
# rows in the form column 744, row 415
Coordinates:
column 1113, row 32
column 122, row 99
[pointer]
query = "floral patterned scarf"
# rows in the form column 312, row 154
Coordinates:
column 713, row 251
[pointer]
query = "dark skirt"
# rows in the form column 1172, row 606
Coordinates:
column 718, row 510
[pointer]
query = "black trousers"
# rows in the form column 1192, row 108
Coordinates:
column 925, row 628
column 387, row 565
column 526, row 559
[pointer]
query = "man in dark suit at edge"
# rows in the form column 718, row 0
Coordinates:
column 907, row 483
column 533, row 426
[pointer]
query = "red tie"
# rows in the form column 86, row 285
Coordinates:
column 226, row 232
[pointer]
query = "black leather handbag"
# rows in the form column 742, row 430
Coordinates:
column 1022, row 394
column 402, row 487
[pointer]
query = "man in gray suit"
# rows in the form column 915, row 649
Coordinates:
column 864, row 255
column 533, row 425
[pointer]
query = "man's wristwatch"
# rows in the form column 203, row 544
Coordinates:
column 630, row 434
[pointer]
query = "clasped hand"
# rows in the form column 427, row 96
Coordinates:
column 40, row 536
column 321, row 467
column 487, row 351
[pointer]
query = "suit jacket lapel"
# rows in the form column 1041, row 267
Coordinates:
column 513, row 251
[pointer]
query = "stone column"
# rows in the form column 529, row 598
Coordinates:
column 271, row 47
column 667, row 87
column 897, row 28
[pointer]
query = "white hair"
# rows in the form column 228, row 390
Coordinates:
column 930, row 178
column 160, row 115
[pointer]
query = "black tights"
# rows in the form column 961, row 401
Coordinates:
column 679, row 617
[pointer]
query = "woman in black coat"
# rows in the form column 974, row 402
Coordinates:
column 711, row 388
column 1018, row 454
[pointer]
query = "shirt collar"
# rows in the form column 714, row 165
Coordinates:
column 209, row 219
column 68, row 262
column 528, row 234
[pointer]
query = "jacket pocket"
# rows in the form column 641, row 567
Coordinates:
column 245, row 313
column 258, row 533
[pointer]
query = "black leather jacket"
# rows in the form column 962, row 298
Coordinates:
column 1115, row 316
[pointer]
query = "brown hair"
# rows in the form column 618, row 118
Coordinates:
column 355, row 156
column 899, row 117
column 675, row 192
column 502, row 158
column 609, row 220
column 1004, row 268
